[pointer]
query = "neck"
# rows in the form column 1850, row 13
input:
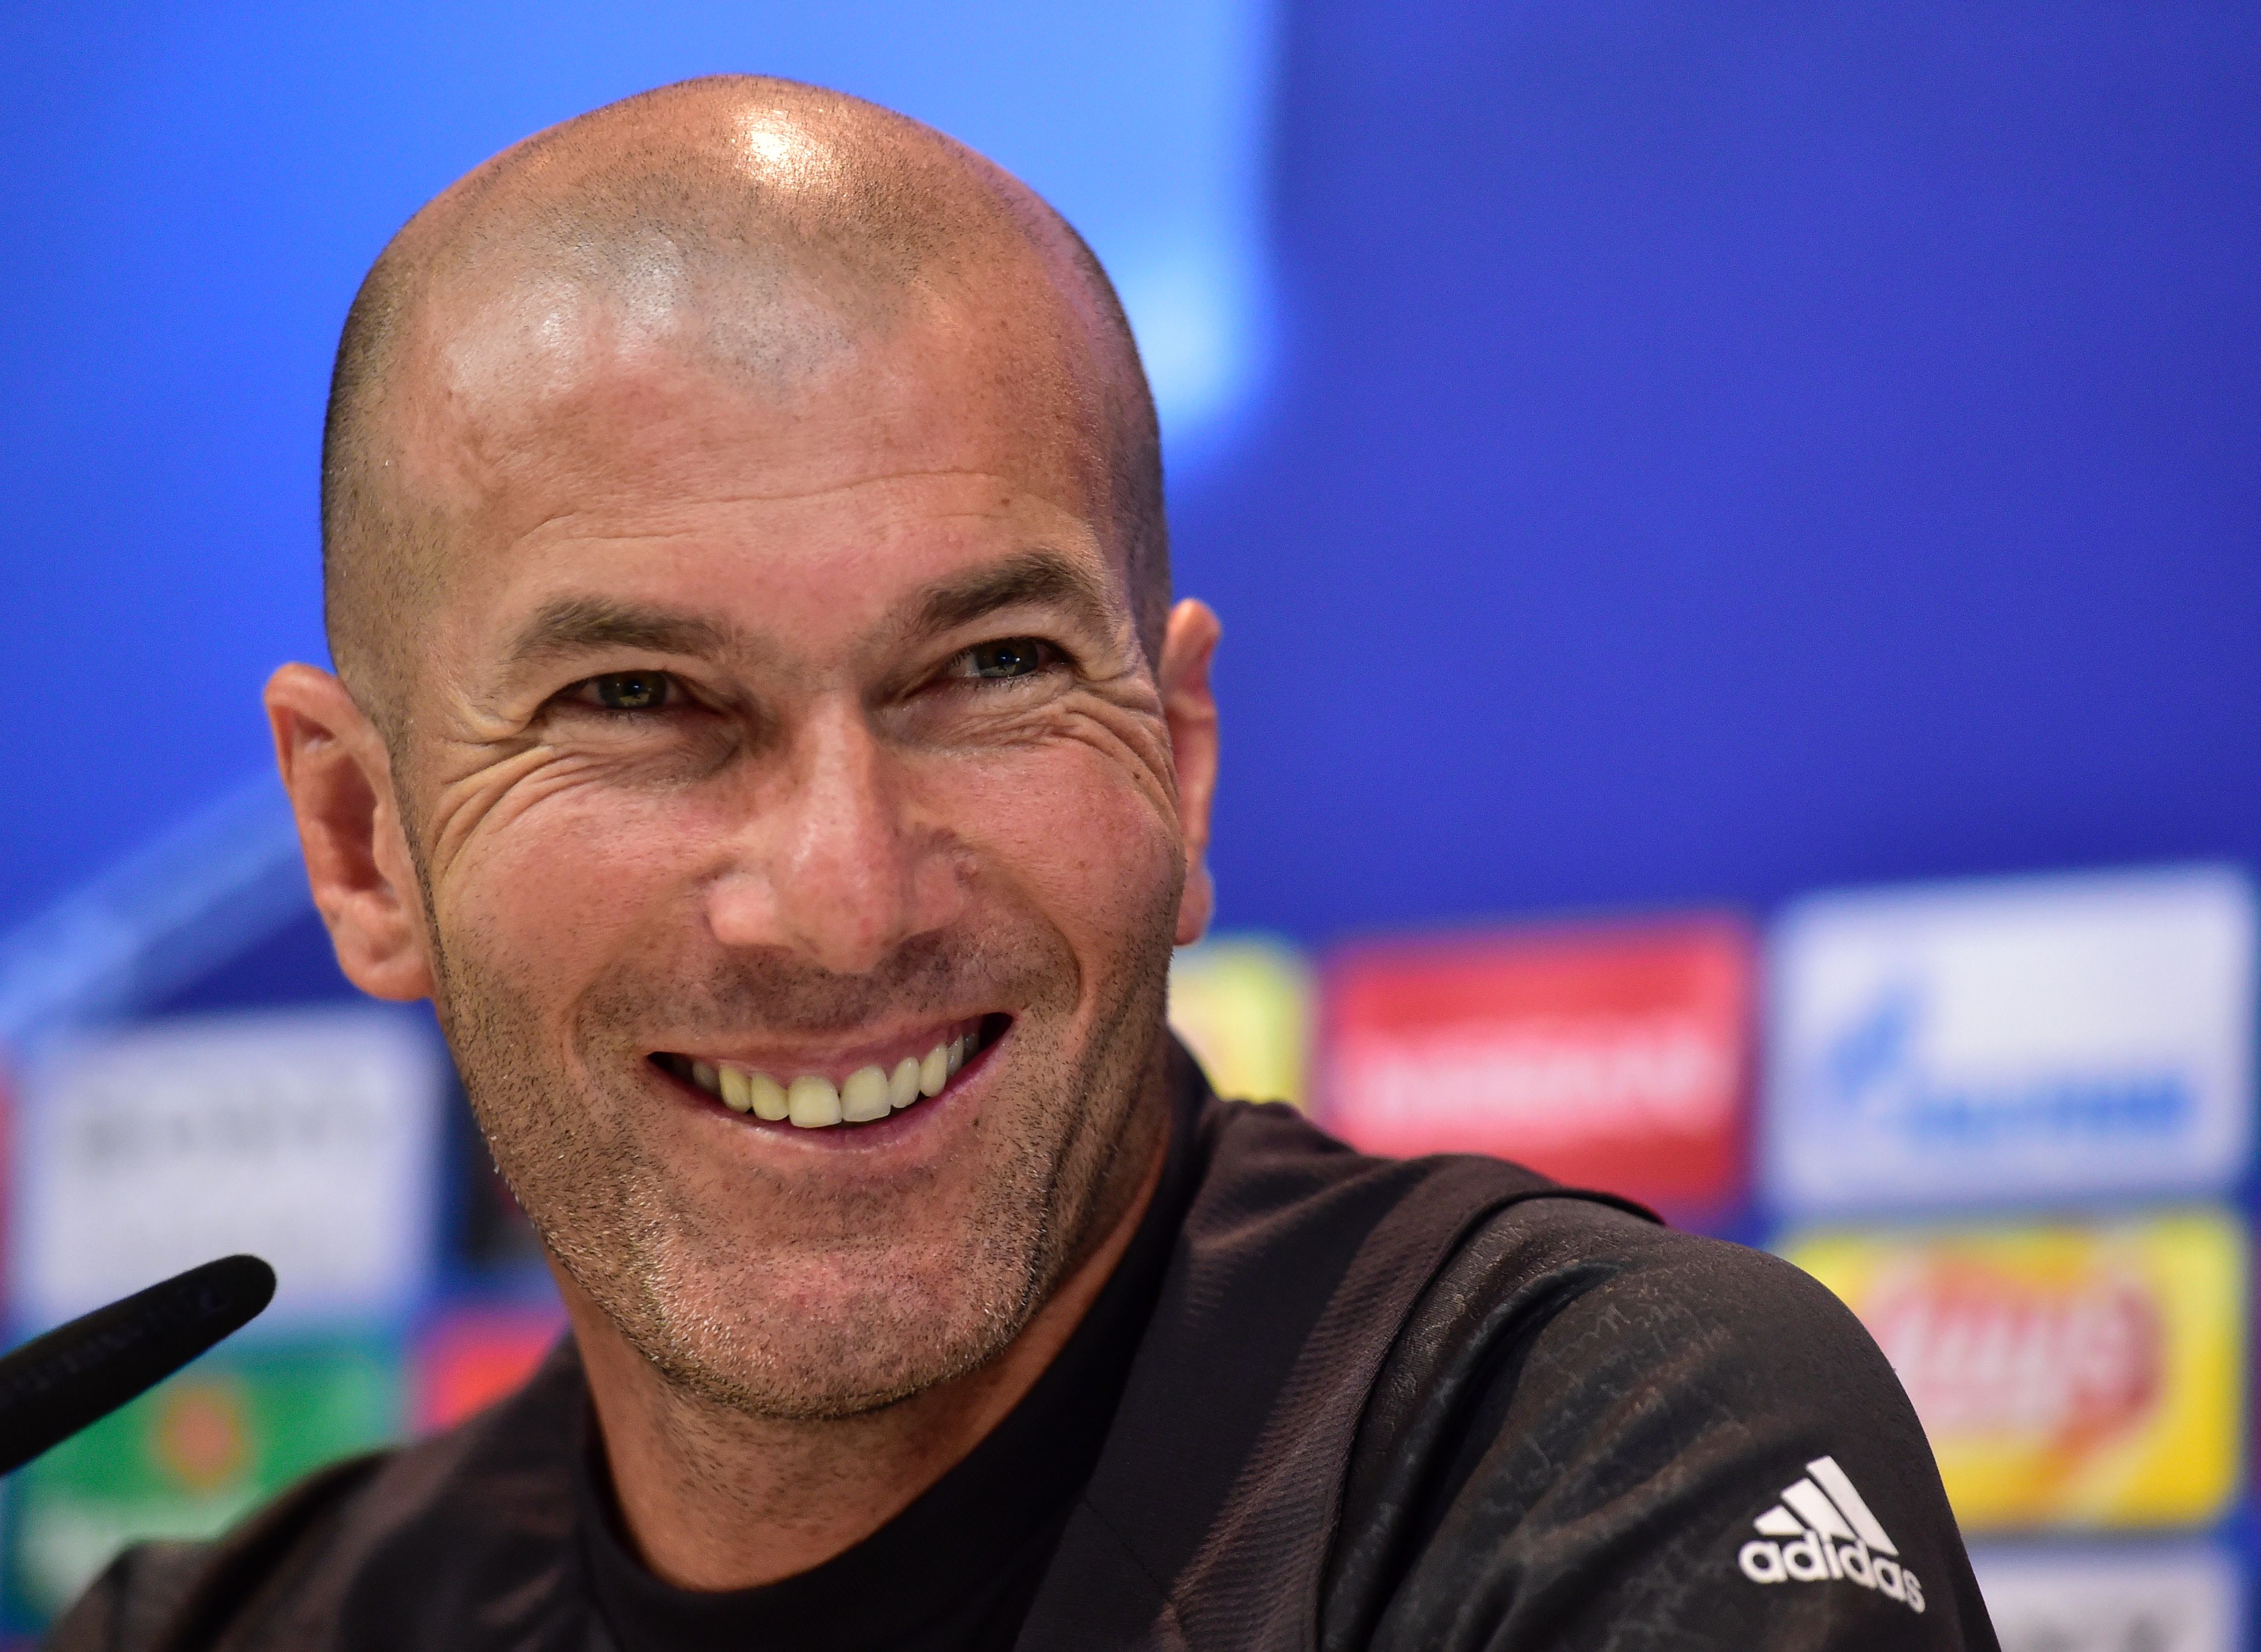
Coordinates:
column 714, row 1498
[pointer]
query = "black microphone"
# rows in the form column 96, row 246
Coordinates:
column 56, row 1384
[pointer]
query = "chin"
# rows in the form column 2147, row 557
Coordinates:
column 853, row 1335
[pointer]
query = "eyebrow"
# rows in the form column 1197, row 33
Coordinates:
column 586, row 625
column 1041, row 578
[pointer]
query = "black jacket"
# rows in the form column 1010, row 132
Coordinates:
column 1423, row 1404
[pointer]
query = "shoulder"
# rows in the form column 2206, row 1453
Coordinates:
column 1596, row 1296
column 379, row 1550
column 1438, row 1243
column 1268, row 1165
column 1548, row 1256
column 167, row 1595
column 1556, row 1320
column 1587, row 1414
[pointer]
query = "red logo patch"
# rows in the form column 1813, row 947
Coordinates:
column 1615, row 1056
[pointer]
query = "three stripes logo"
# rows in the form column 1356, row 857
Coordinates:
column 1822, row 1529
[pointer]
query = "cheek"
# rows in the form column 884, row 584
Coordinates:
column 1081, row 840
column 557, row 889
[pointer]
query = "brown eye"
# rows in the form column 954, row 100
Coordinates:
column 1009, row 657
column 632, row 690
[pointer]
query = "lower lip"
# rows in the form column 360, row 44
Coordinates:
column 876, row 1133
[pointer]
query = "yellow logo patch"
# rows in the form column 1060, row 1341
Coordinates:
column 2067, row 1373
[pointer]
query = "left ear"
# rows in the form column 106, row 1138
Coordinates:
column 1190, row 708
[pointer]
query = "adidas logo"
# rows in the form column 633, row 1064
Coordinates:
column 1822, row 1529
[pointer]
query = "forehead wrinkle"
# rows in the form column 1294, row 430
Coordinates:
column 787, row 496
column 590, row 521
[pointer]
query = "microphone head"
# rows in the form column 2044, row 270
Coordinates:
column 58, row 1383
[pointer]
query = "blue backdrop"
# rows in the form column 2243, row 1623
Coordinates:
column 1725, row 450
column 1642, row 452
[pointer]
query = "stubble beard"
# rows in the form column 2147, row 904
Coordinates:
column 859, row 1307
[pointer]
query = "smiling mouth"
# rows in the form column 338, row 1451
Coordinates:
column 818, row 1100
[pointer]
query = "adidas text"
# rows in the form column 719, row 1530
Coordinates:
column 1822, row 1530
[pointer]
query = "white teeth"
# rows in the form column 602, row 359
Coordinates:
column 812, row 1103
column 863, row 1097
column 811, row 1100
column 768, row 1098
column 903, row 1085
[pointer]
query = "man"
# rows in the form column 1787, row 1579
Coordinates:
column 762, row 730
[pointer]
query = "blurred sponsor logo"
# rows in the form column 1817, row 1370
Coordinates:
column 1243, row 1005
column 191, row 1457
column 2180, row 1599
column 202, row 1436
column 307, row 1137
column 2065, row 1376
column 2029, row 1038
column 472, row 1356
column 1614, row 1055
column 1980, row 1350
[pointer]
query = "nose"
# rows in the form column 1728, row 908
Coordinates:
column 836, row 860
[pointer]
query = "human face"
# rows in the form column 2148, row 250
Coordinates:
column 801, row 739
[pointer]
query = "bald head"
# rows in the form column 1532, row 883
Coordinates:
column 774, row 235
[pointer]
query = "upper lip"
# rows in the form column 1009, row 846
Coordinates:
column 835, row 1060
